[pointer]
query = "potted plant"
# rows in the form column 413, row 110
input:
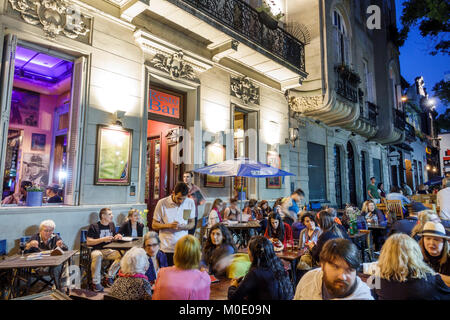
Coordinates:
column 348, row 73
column 143, row 215
column 266, row 15
column 34, row 196
column 352, row 214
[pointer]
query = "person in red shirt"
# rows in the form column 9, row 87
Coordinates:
column 278, row 229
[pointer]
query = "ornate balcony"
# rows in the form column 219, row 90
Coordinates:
column 410, row 132
column 399, row 120
column 347, row 83
column 230, row 33
column 244, row 22
column 371, row 115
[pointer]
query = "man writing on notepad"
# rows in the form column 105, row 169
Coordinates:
column 173, row 217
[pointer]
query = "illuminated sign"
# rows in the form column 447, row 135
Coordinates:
column 428, row 150
column 446, row 161
column 164, row 104
column 447, row 152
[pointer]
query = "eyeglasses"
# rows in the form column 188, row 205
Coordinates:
column 152, row 245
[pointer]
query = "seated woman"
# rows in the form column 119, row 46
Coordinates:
column 132, row 283
column 156, row 258
column 47, row 240
column 219, row 245
column 214, row 216
column 404, row 275
column 422, row 218
column 264, row 208
column 277, row 229
column 183, row 281
column 232, row 212
column 252, row 210
column 372, row 214
column 435, row 249
column 310, row 234
column 132, row 227
column 330, row 230
column 266, row 279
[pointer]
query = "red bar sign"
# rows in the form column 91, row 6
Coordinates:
column 164, row 104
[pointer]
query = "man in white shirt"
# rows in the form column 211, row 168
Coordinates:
column 443, row 201
column 173, row 217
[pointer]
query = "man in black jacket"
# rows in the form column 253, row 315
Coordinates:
column 406, row 225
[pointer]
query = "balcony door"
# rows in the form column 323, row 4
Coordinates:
column 351, row 173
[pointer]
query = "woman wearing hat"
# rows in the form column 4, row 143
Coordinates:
column 435, row 249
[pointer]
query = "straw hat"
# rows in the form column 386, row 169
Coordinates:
column 434, row 229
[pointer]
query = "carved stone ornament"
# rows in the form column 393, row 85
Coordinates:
column 174, row 65
column 244, row 89
column 56, row 17
column 304, row 104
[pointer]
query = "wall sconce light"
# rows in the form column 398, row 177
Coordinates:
column 293, row 136
column 428, row 167
column 118, row 116
column 434, row 169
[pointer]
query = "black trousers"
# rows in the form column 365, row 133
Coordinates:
column 169, row 256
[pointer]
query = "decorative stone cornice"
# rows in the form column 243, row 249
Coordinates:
column 305, row 104
column 55, row 17
column 244, row 89
column 174, row 65
column 171, row 59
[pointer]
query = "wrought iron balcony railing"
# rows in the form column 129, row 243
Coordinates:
column 410, row 132
column 399, row 120
column 242, row 22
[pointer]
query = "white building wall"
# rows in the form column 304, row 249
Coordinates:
column 445, row 145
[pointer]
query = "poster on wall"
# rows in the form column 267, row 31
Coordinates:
column 215, row 153
column 38, row 142
column 274, row 160
column 35, row 168
column 113, row 159
column 24, row 108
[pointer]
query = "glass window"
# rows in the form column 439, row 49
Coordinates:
column 317, row 172
column 43, row 127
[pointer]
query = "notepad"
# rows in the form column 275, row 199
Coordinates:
column 34, row 256
column 186, row 214
column 127, row 239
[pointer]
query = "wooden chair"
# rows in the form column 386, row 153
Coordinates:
column 395, row 206
column 383, row 207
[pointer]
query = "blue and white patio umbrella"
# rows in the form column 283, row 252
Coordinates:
column 243, row 167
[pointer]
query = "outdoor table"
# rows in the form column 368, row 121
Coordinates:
column 123, row 246
column 219, row 290
column 242, row 231
column 377, row 231
column 16, row 264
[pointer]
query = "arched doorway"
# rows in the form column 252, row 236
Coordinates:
column 351, row 173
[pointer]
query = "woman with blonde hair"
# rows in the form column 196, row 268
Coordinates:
column 132, row 283
column 404, row 275
column 132, row 227
column 423, row 217
column 372, row 214
column 184, row 280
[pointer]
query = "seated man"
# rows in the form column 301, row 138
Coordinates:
column 336, row 279
column 47, row 240
column 443, row 201
column 98, row 235
column 20, row 197
column 52, row 194
column 406, row 225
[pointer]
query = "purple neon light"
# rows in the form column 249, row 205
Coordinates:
column 39, row 66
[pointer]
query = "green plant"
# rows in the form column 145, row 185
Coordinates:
column 35, row 188
column 266, row 7
column 347, row 72
column 353, row 213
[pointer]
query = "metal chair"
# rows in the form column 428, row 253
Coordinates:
column 369, row 246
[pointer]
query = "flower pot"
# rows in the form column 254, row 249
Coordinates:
column 267, row 20
column 34, row 198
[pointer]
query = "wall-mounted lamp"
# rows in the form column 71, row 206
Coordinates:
column 404, row 99
column 428, row 167
column 118, row 117
column 293, row 136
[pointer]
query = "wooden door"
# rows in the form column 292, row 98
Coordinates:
column 351, row 174
column 153, row 177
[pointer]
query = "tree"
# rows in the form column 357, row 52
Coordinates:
column 432, row 17
column 442, row 91
column 443, row 122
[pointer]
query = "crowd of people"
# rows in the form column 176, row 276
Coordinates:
column 414, row 260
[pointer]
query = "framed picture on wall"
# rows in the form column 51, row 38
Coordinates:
column 38, row 142
column 24, row 107
column 113, row 157
column 215, row 153
column 274, row 160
